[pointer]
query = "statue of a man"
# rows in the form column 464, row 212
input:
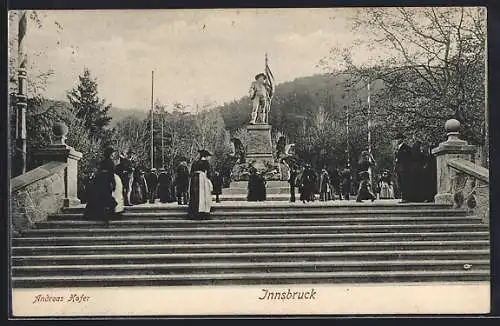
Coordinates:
column 259, row 94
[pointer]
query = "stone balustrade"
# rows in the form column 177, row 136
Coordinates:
column 46, row 189
column 460, row 181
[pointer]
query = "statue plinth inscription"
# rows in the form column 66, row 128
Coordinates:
column 259, row 140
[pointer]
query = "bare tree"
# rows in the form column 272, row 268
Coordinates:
column 432, row 68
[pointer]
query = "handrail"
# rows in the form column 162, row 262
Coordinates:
column 470, row 168
column 35, row 175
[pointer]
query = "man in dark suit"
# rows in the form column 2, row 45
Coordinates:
column 152, row 181
column 402, row 165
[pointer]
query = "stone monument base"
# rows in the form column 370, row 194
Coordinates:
column 260, row 156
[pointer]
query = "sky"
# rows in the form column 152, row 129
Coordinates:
column 198, row 56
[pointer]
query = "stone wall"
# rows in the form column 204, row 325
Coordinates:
column 37, row 194
column 482, row 196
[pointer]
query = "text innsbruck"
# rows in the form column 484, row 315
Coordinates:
column 288, row 294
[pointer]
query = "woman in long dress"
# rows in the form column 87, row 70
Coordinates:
column 385, row 186
column 308, row 184
column 105, row 200
column 324, row 186
column 200, row 188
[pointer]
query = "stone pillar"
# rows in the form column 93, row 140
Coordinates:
column 259, row 147
column 60, row 152
column 452, row 148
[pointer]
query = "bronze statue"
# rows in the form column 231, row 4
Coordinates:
column 261, row 94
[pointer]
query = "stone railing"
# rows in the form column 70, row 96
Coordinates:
column 46, row 189
column 461, row 182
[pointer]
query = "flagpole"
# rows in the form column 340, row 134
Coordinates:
column 270, row 98
column 152, row 121
column 162, row 140
column 22, row 93
column 369, row 121
column 347, row 131
column 369, row 129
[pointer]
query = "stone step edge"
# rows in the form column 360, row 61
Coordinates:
column 280, row 204
column 265, row 220
column 260, row 245
column 261, row 254
column 236, row 265
column 227, row 276
column 255, row 236
column 263, row 228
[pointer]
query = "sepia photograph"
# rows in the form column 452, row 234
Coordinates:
column 284, row 161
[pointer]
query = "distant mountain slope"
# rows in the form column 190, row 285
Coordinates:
column 118, row 114
column 297, row 100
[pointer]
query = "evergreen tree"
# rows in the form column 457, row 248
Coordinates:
column 88, row 106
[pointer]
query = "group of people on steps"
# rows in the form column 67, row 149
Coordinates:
column 116, row 184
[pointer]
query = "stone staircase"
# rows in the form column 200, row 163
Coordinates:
column 255, row 243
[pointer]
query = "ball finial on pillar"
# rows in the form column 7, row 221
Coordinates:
column 60, row 131
column 452, row 126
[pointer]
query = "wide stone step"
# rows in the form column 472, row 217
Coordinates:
column 366, row 255
column 284, row 221
column 240, row 214
column 245, row 238
column 254, row 267
column 244, row 247
column 305, row 229
column 342, row 206
column 250, row 278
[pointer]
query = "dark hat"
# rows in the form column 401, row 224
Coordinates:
column 260, row 75
column 204, row 153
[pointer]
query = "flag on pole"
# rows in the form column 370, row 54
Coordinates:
column 270, row 79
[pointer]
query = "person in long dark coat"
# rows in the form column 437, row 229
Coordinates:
column 261, row 186
column 429, row 175
column 293, row 182
column 346, row 179
column 105, row 198
column 403, row 164
column 308, row 184
column 182, row 183
column 253, row 185
column 417, row 189
column 200, row 188
column 152, row 181
column 164, row 186
column 139, row 188
column 365, row 190
column 217, row 181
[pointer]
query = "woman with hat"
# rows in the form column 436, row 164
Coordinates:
column 385, row 186
column 200, row 187
column 308, row 184
column 105, row 191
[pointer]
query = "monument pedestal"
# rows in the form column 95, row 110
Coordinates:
column 260, row 147
column 259, row 154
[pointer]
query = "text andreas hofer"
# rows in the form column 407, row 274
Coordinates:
column 288, row 295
